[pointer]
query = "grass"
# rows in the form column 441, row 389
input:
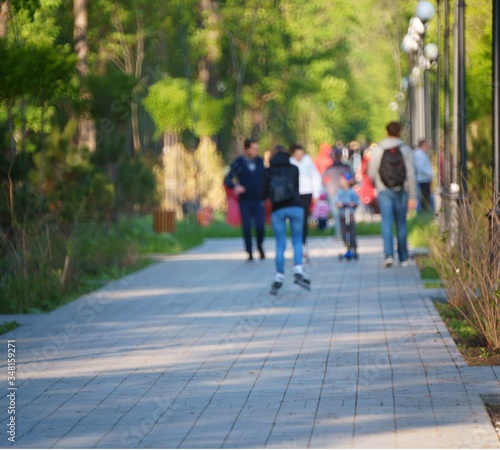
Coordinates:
column 220, row 229
column 428, row 273
column 139, row 231
column 420, row 226
column 464, row 334
column 8, row 326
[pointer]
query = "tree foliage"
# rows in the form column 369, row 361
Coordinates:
column 273, row 63
column 217, row 72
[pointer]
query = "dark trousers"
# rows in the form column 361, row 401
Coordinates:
column 305, row 200
column 252, row 211
column 348, row 228
column 322, row 224
column 425, row 196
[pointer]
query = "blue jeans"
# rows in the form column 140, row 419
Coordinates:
column 295, row 214
column 393, row 208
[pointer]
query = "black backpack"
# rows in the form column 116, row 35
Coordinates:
column 392, row 168
column 281, row 188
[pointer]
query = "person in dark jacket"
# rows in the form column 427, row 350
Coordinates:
column 281, row 186
column 245, row 178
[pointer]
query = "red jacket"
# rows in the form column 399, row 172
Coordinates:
column 323, row 160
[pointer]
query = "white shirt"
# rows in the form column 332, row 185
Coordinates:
column 309, row 177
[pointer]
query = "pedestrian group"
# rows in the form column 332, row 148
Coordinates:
column 388, row 178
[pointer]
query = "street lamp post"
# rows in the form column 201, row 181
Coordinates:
column 438, row 189
column 458, row 183
column 447, row 113
column 494, row 214
column 413, row 45
column 460, row 81
column 496, row 104
column 425, row 12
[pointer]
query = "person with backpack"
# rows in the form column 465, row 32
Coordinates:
column 281, row 186
column 391, row 171
column 245, row 179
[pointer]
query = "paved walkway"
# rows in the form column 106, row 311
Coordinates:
column 192, row 352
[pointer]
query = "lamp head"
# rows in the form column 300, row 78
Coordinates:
column 425, row 11
column 431, row 52
column 416, row 27
column 409, row 44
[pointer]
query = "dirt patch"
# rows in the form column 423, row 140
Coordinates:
column 492, row 403
column 494, row 412
column 476, row 357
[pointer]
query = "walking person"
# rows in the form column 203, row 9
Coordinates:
column 391, row 170
column 323, row 159
column 331, row 181
column 309, row 186
column 245, row 178
column 281, row 186
column 424, row 173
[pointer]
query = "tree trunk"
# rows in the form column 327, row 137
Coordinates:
column 134, row 108
column 208, row 21
column 172, row 172
column 139, row 59
column 10, row 121
column 42, row 151
column 86, row 126
column 4, row 19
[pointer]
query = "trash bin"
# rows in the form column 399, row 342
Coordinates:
column 164, row 221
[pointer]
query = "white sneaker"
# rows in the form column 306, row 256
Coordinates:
column 406, row 263
column 388, row 262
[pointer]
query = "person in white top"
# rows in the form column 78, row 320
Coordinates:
column 310, row 184
column 424, row 174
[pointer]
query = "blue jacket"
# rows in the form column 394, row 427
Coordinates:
column 248, row 173
column 346, row 196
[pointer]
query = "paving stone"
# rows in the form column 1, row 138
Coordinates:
column 193, row 352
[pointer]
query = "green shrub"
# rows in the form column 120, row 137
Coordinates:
column 137, row 185
column 5, row 327
column 468, row 261
column 42, row 266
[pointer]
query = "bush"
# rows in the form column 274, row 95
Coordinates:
column 468, row 261
column 137, row 185
column 42, row 266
